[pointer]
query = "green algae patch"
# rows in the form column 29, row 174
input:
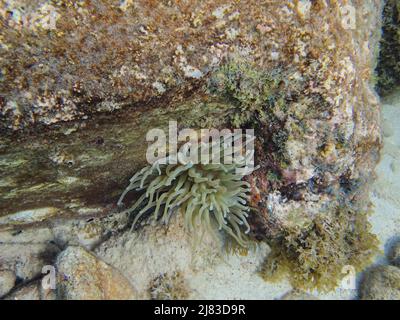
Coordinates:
column 253, row 92
column 316, row 257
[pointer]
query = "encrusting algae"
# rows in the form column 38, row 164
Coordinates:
column 317, row 257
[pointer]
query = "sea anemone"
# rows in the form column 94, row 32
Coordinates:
column 210, row 195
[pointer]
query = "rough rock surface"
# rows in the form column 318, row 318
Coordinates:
column 381, row 283
column 27, row 259
column 394, row 254
column 156, row 251
column 82, row 276
column 7, row 281
column 317, row 109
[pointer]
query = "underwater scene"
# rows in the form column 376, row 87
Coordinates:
column 199, row 150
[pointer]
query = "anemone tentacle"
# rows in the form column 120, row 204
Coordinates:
column 213, row 195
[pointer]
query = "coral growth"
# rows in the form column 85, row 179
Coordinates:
column 209, row 195
column 315, row 257
column 251, row 90
column 169, row 287
column 259, row 97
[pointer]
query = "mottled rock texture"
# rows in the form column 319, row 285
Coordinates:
column 394, row 254
column 169, row 287
column 82, row 82
column 29, row 292
column 381, row 283
column 298, row 295
column 26, row 259
column 82, row 276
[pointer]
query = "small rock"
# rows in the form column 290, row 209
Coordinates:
column 394, row 167
column 381, row 283
column 27, row 260
column 82, row 276
column 7, row 281
column 394, row 254
column 296, row 294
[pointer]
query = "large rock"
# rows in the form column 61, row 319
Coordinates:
column 7, row 281
column 28, row 292
column 82, row 276
column 298, row 295
column 27, row 260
